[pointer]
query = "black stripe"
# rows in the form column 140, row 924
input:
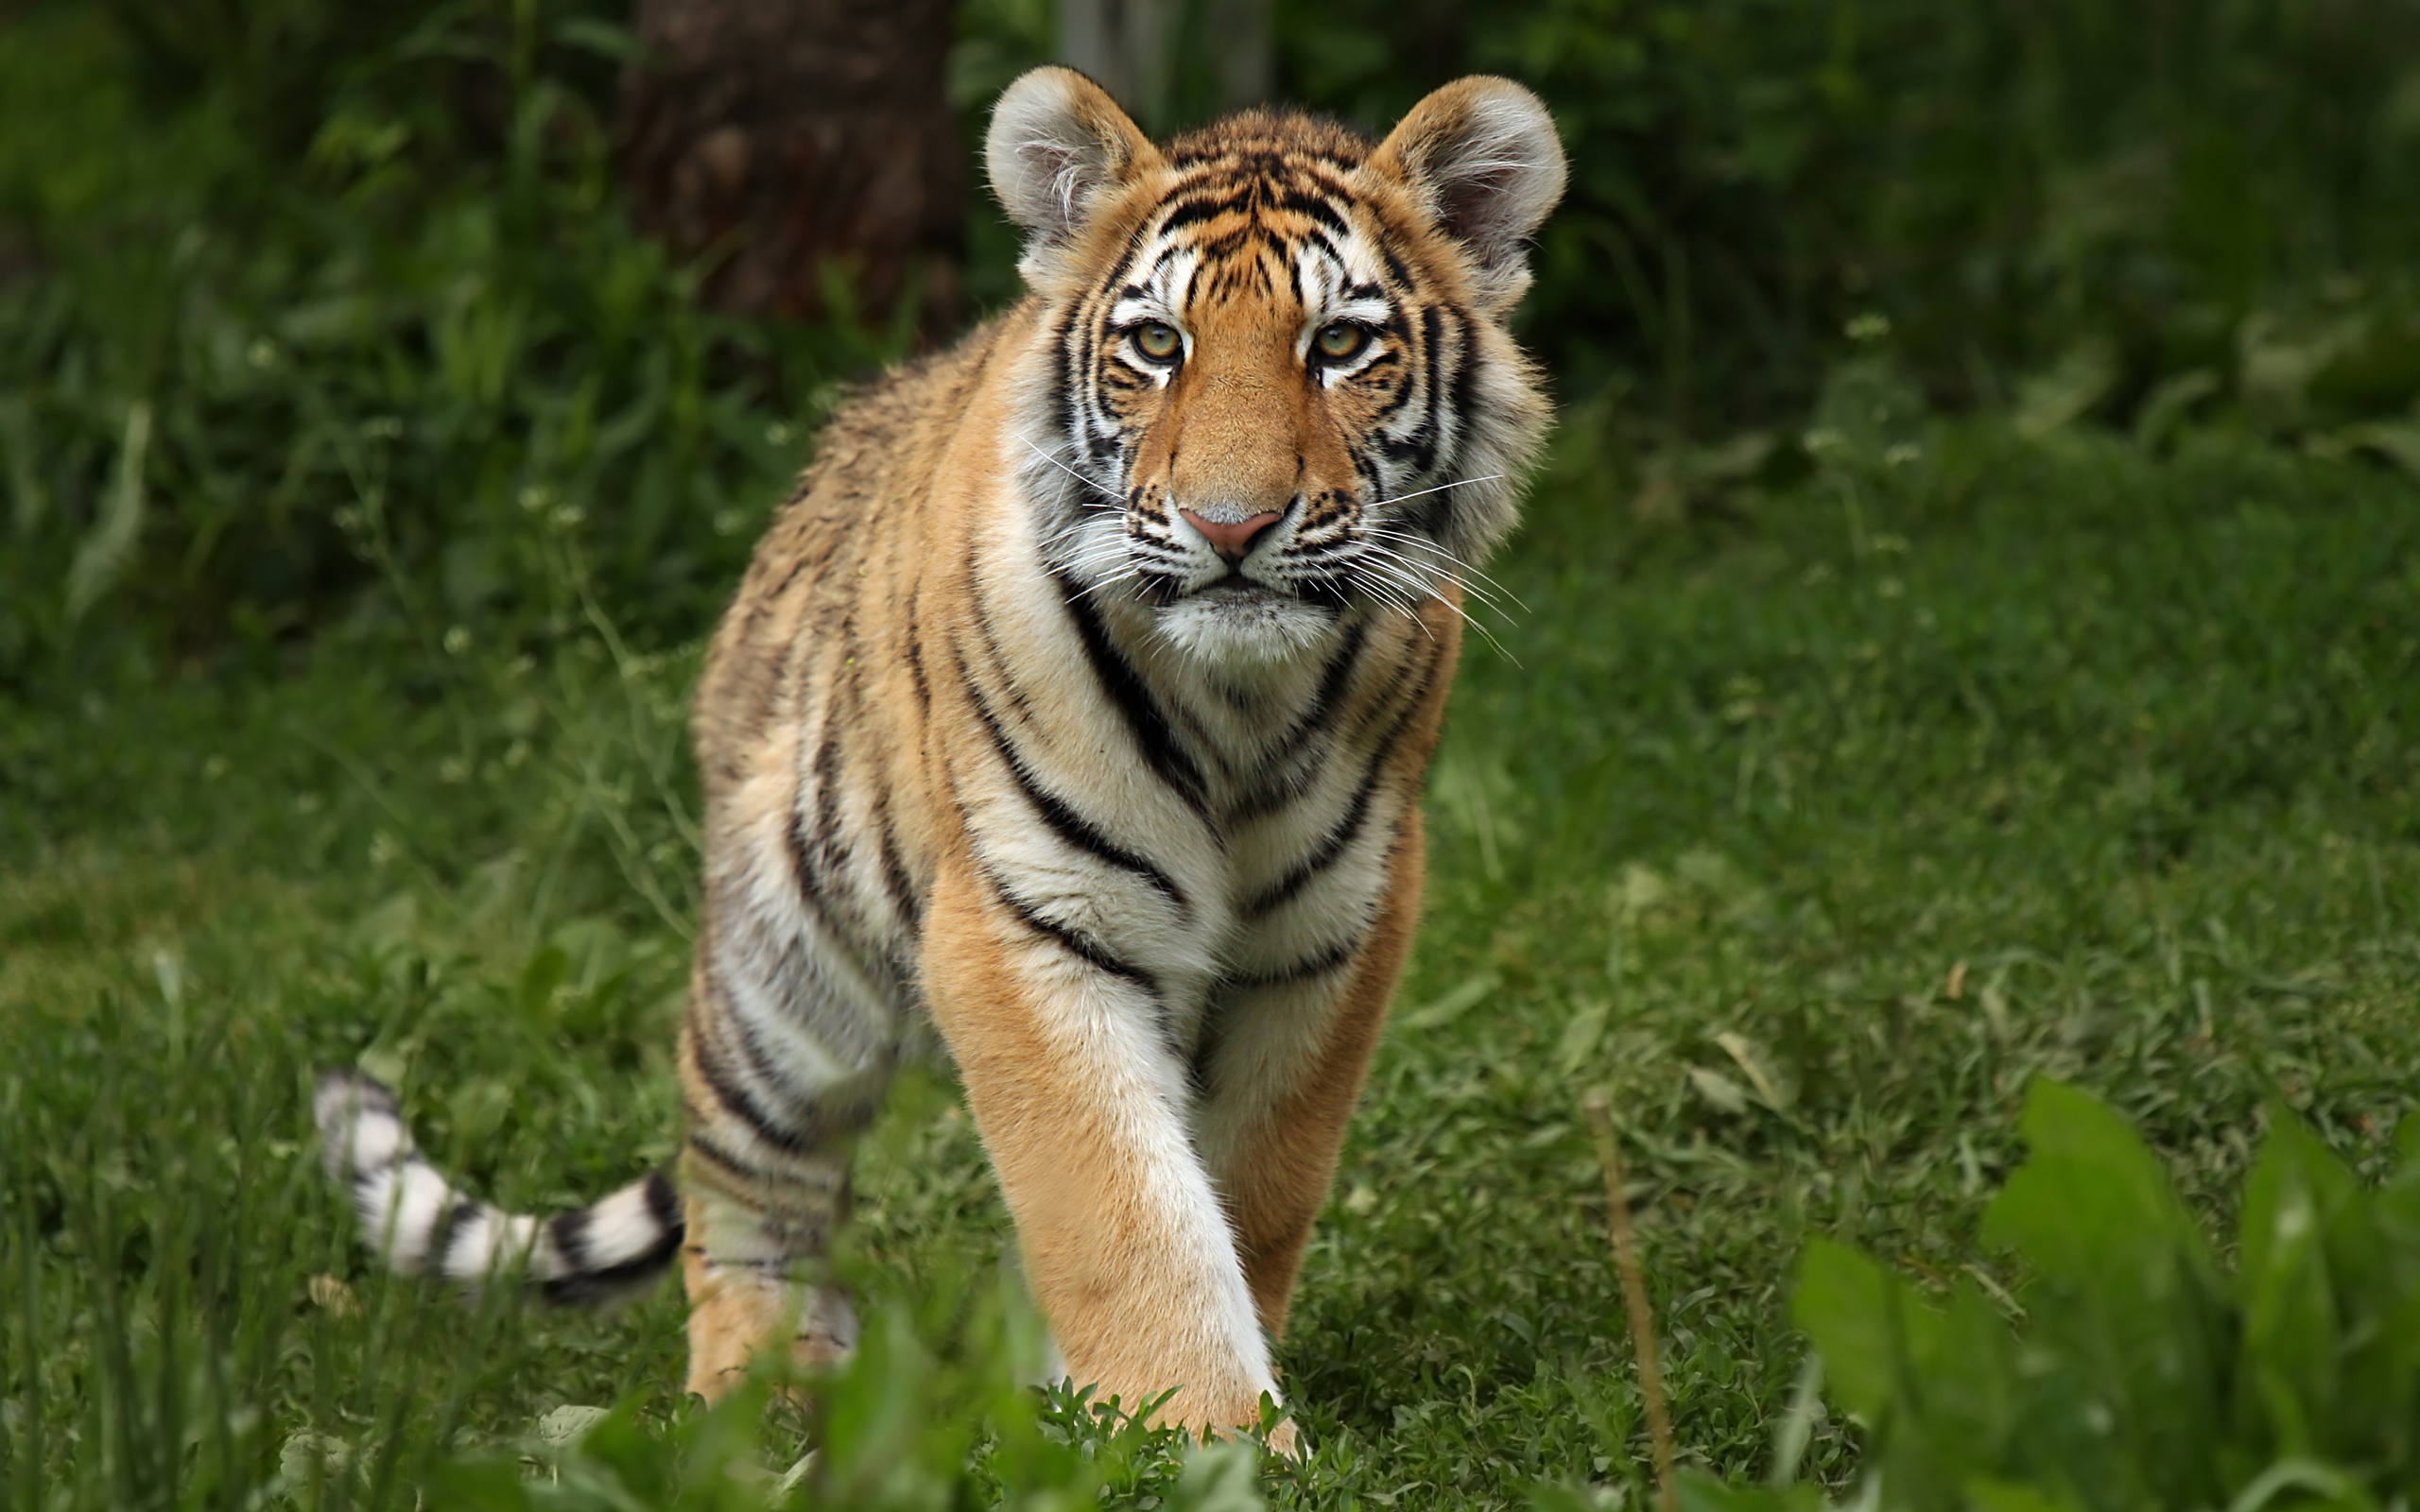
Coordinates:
column 1465, row 395
column 737, row 1101
column 569, row 1233
column 1330, row 184
column 1071, row 826
column 913, row 645
column 1329, row 848
column 1432, row 331
column 439, row 1253
column 813, row 886
column 1335, row 682
column 1405, row 388
column 664, row 1205
column 1166, row 255
column 1205, row 1053
column 1410, row 706
column 1074, row 942
column 1141, row 712
column 1063, row 400
column 1192, row 210
column 584, row 1285
column 809, row 1103
column 702, row 1144
column 896, row 879
column 1301, row 971
column 589, row 1288
column 1313, row 206
column 996, row 661
column 831, row 849
column 1342, row 835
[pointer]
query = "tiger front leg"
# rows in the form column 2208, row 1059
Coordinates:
column 1281, row 1067
column 1083, row 1109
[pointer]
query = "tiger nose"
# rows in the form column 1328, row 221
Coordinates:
column 1230, row 541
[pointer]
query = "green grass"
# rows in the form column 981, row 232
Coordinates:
column 367, row 482
column 1809, row 826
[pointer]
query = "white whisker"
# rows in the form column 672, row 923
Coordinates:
column 1431, row 570
column 1479, row 595
column 1428, row 545
column 1101, row 489
column 1380, row 568
column 1392, row 600
column 1111, row 582
column 1398, row 498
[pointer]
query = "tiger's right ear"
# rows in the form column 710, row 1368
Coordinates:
column 1058, row 143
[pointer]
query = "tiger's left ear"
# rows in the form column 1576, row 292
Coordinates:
column 1058, row 148
column 1481, row 156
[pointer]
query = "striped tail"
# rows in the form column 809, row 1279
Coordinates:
column 420, row 1225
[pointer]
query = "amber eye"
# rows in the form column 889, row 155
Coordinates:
column 1342, row 340
column 1158, row 340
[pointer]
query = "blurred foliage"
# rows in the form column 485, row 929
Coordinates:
column 286, row 325
column 2132, row 1371
column 316, row 315
column 2147, row 193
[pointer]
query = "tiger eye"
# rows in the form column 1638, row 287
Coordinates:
column 1158, row 340
column 1340, row 340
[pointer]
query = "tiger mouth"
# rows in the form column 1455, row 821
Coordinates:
column 1241, row 588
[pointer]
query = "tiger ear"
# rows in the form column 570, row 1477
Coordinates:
column 1481, row 156
column 1057, row 143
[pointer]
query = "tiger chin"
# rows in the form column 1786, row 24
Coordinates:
column 1075, row 707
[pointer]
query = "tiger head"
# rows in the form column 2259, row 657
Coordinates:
column 1275, row 387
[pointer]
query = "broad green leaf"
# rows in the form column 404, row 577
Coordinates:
column 2292, row 1331
column 2128, row 1298
column 1220, row 1477
column 2090, row 1204
column 1865, row 1323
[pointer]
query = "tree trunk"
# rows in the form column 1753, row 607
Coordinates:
column 1239, row 36
column 787, row 143
column 1127, row 48
column 1130, row 48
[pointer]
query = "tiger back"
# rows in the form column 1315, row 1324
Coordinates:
column 1075, row 711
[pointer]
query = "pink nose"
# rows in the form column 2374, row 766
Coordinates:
column 1230, row 541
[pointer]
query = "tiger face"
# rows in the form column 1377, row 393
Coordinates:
column 1277, row 391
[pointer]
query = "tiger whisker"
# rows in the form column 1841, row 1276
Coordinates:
column 1483, row 596
column 1380, row 568
column 1416, row 493
column 1101, row 489
column 1475, row 573
column 1432, row 571
column 1112, row 581
column 1100, row 551
column 1392, row 600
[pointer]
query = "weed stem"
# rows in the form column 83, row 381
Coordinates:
column 1642, row 1321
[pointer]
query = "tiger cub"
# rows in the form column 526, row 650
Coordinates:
column 1078, row 705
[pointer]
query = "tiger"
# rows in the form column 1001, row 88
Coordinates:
column 1074, row 714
